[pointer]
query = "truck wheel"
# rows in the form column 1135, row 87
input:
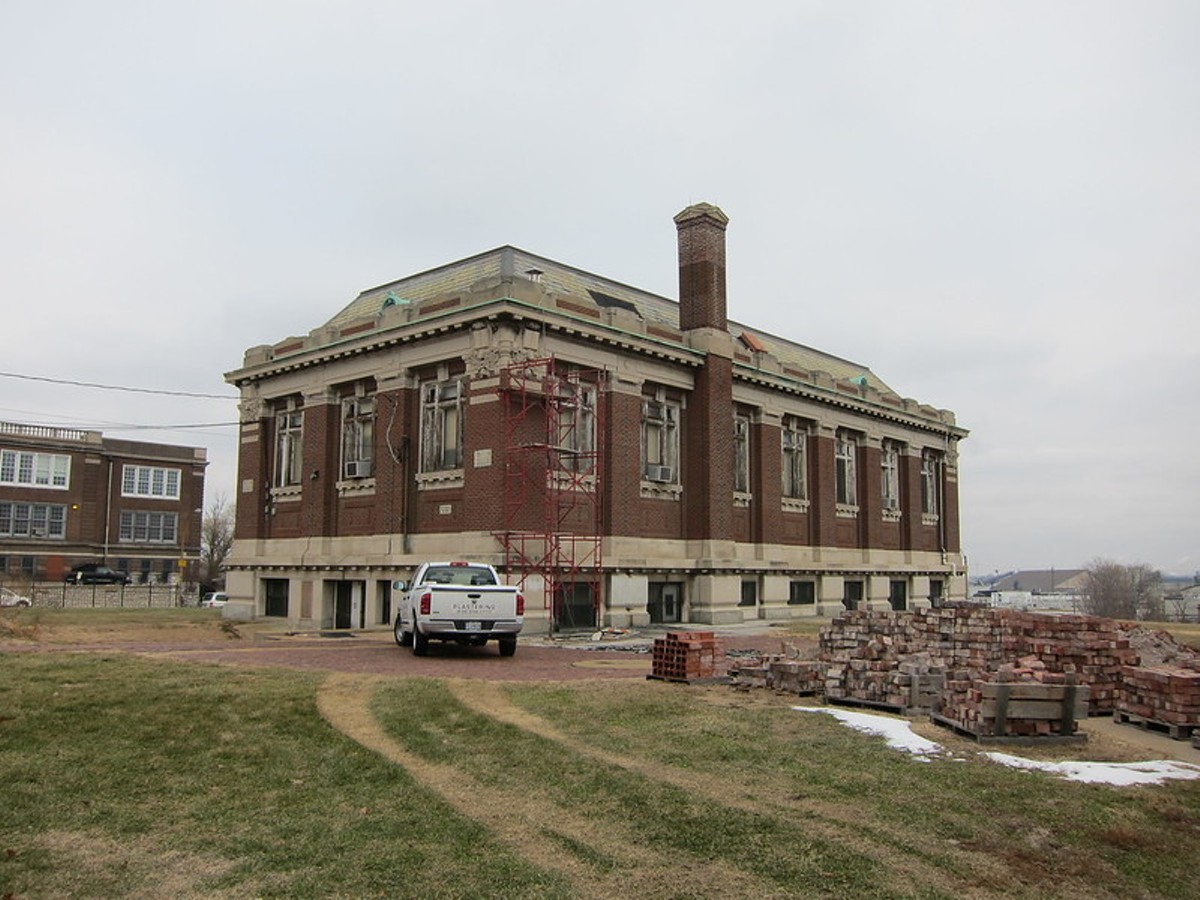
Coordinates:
column 420, row 643
column 508, row 646
column 403, row 638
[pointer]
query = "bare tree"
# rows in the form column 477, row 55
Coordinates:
column 1176, row 602
column 216, row 539
column 1123, row 592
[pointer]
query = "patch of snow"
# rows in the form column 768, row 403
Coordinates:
column 897, row 732
column 1120, row 774
column 899, row 735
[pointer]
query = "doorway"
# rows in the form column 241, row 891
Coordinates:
column 574, row 606
column 275, row 597
column 349, row 611
column 664, row 603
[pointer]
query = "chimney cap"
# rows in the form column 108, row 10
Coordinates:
column 702, row 211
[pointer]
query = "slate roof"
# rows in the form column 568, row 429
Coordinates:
column 652, row 309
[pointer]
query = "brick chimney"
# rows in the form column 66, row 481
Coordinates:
column 701, row 267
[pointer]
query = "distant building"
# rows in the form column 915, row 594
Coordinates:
column 624, row 457
column 69, row 496
column 1029, row 601
column 1043, row 581
column 1181, row 602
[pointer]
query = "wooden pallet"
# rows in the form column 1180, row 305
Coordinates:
column 1018, row 740
column 706, row 679
column 1175, row 731
column 880, row 705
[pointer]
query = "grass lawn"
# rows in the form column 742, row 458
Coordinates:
column 126, row 776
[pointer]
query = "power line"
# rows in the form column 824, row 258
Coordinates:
column 113, row 387
column 107, row 425
column 172, row 427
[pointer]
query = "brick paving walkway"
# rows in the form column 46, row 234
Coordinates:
column 376, row 653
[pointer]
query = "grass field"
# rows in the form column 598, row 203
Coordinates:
column 127, row 776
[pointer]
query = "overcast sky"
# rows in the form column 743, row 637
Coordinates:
column 996, row 207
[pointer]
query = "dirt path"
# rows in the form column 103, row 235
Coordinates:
column 522, row 822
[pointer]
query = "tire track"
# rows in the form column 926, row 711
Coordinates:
column 835, row 825
column 522, row 822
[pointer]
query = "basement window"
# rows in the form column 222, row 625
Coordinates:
column 852, row 594
column 802, row 593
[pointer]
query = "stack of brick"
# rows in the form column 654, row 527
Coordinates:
column 795, row 676
column 686, row 656
column 1020, row 700
column 863, row 650
column 750, row 673
column 1096, row 649
column 1164, row 696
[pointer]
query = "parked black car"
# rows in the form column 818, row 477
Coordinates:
column 94, row 573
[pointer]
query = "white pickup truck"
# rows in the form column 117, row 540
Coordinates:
column 458, row 601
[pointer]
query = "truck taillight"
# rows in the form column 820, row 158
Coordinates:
column 426, row 600
column 520, row 604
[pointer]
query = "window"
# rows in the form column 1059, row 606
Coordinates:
column 660, row 441
column 931, row 466
column 358, row 436
column 741, row 454
column 898, row 595
column 795, row 464
column 802, row 593
column 577, row 424
column 936, row 592
column 891, row 476
column 844, row 455
column 289, row 446
column 37, row 520
column 441, row 425
column 150, row 481
column 45, row 470
column 749, row 594
column 852, row 594
column 148, row 527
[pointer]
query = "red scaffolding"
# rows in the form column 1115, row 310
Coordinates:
column 554, row 437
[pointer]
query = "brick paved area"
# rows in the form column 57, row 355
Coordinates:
column 376, row 653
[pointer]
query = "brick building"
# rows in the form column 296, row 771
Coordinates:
column 71, row 496
column 624, row 457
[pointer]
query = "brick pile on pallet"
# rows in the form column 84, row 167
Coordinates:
column 686, row 656
column 863, row 650
column 1163, row 696
column 794, row 676
column 1024, row 699
column 1097, row 649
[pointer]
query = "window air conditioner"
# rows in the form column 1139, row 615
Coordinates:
column 658, row 473
column 358, row 469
